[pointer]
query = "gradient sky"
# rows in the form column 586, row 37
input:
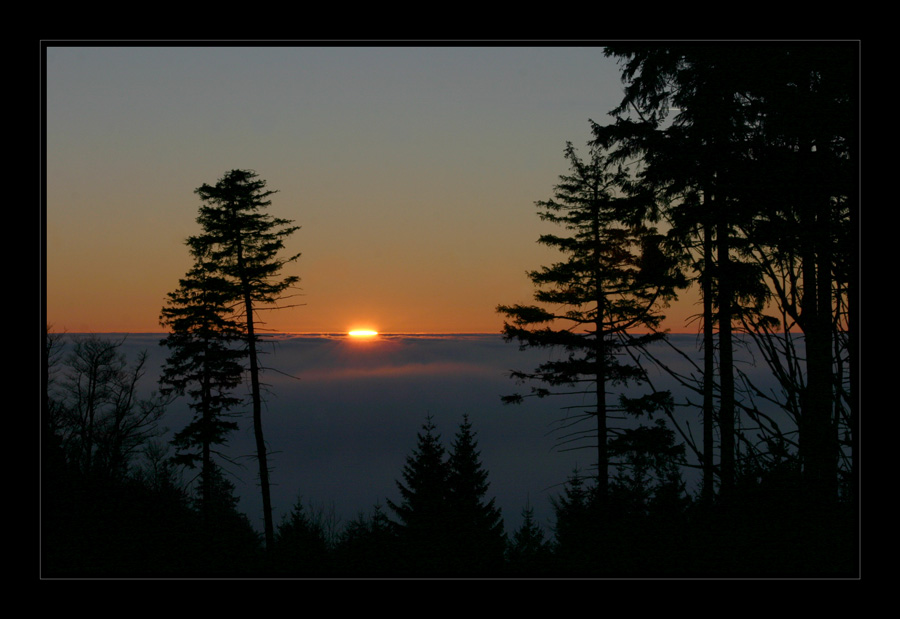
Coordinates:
column 413, row 172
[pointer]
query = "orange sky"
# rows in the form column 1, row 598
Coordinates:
column 412, row 171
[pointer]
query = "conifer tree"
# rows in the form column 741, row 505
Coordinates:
column 693, row 162
column 205, row 363
column 762, row 157
column 613, row 281
column 528, row 551
column 300, row 545
column 423, row 520
column 476, row 521
column 576, row 524
column 806, row 147
column 649, row 478
column 243, row 243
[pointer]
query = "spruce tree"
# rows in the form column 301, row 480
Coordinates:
column 576, row 524
column 300, row 545
column 423, row 527
column 693, row 163
column 205, row 363
column 612, row 283
column 528, row 552
column 477, row 523
column 804, row 240
column 243, row 243
column 648, row 481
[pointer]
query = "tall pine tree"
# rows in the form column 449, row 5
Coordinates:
column 243, row 242
column 609, row 288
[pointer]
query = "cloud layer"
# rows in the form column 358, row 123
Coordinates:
column 341, row 416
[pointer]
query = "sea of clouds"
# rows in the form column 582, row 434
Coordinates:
column 341, row 416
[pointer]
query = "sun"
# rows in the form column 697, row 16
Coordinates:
column 362, row 333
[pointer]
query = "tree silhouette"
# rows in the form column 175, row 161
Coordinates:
column 242, row 242
column 227, row 540
column 447, row 524
column 112, row 505
column 300, row 545
column 576, row 527
column 97, row 412
column 760, row 163
column 804, row 240
column 423, row 517
column 694, row 163
column 205, row 363
column 476, row 522
column 528, row 552
column 612, row 283
column 366, row 546
column 649, row 478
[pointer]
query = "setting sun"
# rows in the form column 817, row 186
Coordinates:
column 362, row 333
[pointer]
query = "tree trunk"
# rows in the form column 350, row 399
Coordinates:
column 261, row 455
column 726, row 362
column 257, row 425
column 206, row 482
column 818, row 434
column 602, row 455
column 708, row 490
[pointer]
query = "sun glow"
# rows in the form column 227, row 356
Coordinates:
column 362, row 333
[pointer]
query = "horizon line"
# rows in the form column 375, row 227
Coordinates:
column 325, row 333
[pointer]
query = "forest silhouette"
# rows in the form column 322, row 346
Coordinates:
column 731, row 167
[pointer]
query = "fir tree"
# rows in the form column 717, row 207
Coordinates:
column 300, row 546
column 648, row 480
column 528, row 552
column 760, row 164
column 423, row 527
column 575, row 525
column 476, row 522
column 613, row 281
column 205, row 363
column 243, row 242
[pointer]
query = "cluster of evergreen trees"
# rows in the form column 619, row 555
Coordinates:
column 733, row 168
column 144, row 519
column 752, row 152
column 132, row 514
column 444, row 523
